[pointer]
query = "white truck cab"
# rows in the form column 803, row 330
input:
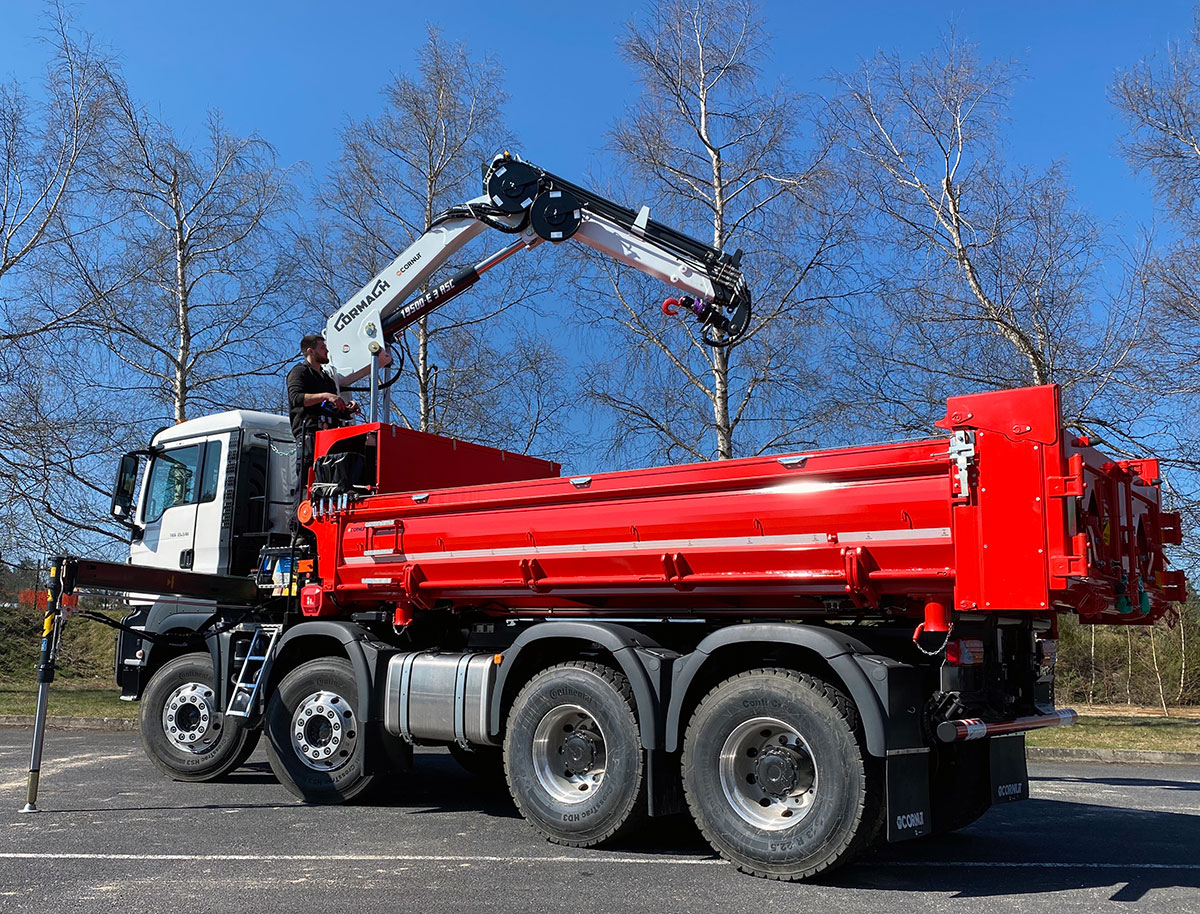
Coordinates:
column 214, row 491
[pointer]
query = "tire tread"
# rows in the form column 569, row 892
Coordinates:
column 620, row 684
column 871, row 810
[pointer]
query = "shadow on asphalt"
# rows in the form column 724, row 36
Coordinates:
column 1123, row 782
column 1037, row 846
column 1045, row 846
column 1028, row 848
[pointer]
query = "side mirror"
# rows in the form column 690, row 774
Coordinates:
column 123, row 489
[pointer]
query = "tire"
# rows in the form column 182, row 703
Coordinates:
column 776, row 776
column 573, row 755
column 484, row 762
column 315, row 742
column 184, row 732
column 960, row 789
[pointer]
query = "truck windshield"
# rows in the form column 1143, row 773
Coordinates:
column 174, row 476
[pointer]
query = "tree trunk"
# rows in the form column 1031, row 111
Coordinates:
column 1182, row 656
column 720, row 357
column 184, row 349
column 1129, row 667
column 1162, row 695
column 1091, row 699
column 424, row 387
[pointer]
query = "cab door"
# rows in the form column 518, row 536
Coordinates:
column 180, row 489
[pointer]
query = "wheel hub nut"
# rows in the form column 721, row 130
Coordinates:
column 580, row 753
column 781, row 770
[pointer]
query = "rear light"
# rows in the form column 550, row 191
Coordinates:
column 964, row 652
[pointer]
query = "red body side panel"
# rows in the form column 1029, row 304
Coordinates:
column 826, row 532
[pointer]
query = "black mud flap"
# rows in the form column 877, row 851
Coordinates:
column 1010, row 777
column 908, row 814
column 664, row 784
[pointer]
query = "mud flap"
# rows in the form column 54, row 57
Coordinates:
column 908, row 814
column 1010, row 777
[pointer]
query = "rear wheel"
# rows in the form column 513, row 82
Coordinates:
column 184, row 732
column 573, row 755
column 315, row 741
column 776, row 776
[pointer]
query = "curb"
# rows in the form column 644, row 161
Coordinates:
column 25, row 721
column 1136, row 756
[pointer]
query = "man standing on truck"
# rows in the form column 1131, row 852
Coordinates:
column 314, row 402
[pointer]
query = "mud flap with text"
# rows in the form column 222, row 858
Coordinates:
column 1010, row 777
column 908, row 814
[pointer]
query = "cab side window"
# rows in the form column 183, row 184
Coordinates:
column 182, row 476
column 212, row 471
column 173, row 477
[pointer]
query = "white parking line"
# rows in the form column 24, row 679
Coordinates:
column 503, row 858
column 63, row 764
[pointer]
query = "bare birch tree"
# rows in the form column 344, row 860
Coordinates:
column 1159, row 99
column 718, row 153
column 398, row 170
column 50, row 140
column 44, row 145
column 187, row 270
column 990, row 275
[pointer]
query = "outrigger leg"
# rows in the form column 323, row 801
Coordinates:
column 51, row 638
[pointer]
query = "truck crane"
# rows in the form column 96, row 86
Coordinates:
column 806, row 652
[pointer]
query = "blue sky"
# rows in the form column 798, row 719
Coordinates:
column 295, row 72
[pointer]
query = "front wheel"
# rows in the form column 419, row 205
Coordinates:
column 183, row 730
column 316, row 742
column 573, row 755
column 776, row 776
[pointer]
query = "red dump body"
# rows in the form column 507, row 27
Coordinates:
column 1005, row 512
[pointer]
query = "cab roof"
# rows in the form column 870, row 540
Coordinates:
column 228, row 421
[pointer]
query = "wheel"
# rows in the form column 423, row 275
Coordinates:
column 960, row 789
column 184, row 732
column 484, row 762
column 776, row 777
column 573, row 755
column 315, row 742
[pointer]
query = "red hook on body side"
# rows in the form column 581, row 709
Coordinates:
column 669, row 305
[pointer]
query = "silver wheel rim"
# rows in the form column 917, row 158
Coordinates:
column 189, row 718
column 324, row 731
column 768, row 773
column 569, row 754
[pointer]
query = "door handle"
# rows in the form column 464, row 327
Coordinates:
column 187, row 558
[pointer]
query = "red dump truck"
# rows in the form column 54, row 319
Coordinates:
column 805, row 652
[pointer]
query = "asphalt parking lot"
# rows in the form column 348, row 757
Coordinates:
column 115, row 835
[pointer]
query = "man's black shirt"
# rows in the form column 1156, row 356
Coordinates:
column 304, row 379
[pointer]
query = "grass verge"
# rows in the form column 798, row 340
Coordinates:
column 68, row 698
column 1125, row 729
